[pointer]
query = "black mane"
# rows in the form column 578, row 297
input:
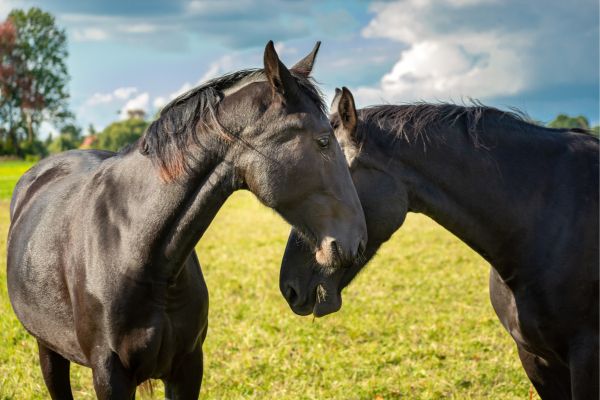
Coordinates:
column 418, row 121
column 168, row 140
column 415, row 121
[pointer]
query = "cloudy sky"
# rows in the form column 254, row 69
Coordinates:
column 538, row 55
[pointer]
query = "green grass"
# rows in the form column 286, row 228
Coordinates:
column 417, row 324
column 10, row 171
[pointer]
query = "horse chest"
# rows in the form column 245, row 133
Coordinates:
column 152, row 326
column 153, row 350
column 525, row 316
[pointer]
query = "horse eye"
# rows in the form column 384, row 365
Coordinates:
column 323, row 142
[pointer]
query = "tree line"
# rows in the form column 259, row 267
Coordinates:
column 34, row 89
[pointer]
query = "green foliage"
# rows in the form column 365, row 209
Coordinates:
column 72, row 131
column 565, row 121
column 416, row 324
column 32, row 158
column 33, row 148
column 33, row 82
column 68, row 139
column 121, row 133
column 62, row 143
column 91, row 129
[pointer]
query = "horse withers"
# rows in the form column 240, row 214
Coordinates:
column 101, row 262
column 523, row 196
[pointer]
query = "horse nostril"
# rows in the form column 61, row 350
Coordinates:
column 335, row 251
column 291, row 295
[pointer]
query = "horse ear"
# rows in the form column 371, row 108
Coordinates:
column 304, row 67
column 347, row 110
column 333, row 108
column 278, row 75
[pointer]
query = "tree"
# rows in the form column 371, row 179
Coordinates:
column 61, row 143
column 91, row 129
column 121, row 133
column 68, row 139
column 565, row 121
column 8, row 37
column 33, row 75
column 72, row 131
column 580, row 122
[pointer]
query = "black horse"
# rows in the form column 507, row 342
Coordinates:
column 523, row 196
column 101, row 266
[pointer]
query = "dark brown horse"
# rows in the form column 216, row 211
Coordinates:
column 523, row 196
column 101, row 262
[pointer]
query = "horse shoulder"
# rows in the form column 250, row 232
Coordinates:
column 158, row 323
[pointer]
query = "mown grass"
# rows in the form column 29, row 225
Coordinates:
column 417, row 324
column 10, row 171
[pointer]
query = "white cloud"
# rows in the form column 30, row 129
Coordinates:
column 140, row 102
column 224, row 64
column 93, row 28
column 218, row 7
column 463, row 61
column 90, row 35
column 463, row 3
column 99, row 98
column 182, row 89
column 139, row 28
column 101, row 32
column 159, row 102
column 122, row 93
column 283, row 49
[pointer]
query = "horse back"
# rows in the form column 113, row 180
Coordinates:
column 50, row 170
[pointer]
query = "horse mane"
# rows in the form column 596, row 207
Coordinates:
column 414, row 121
column 171, row 138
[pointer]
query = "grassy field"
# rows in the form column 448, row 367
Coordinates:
column 10, row 171
column 417, row 324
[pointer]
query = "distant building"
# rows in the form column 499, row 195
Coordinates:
column 88, row 142
column 137, row 114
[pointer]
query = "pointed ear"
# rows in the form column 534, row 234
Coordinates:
column 347, row 111
column 304, row 67
column 278, row 75
column 333, row 108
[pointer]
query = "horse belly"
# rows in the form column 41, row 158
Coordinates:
column 36, row 281
column 41, row 301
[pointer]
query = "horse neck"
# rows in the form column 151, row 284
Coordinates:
column 165, row 220
column 475, row 187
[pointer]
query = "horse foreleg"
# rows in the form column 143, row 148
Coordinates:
column 111, row 379
column 552, row 382
column 55, row 370
column 583, row 364
column 184, row 383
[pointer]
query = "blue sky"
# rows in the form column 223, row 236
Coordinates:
column 538, row 55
